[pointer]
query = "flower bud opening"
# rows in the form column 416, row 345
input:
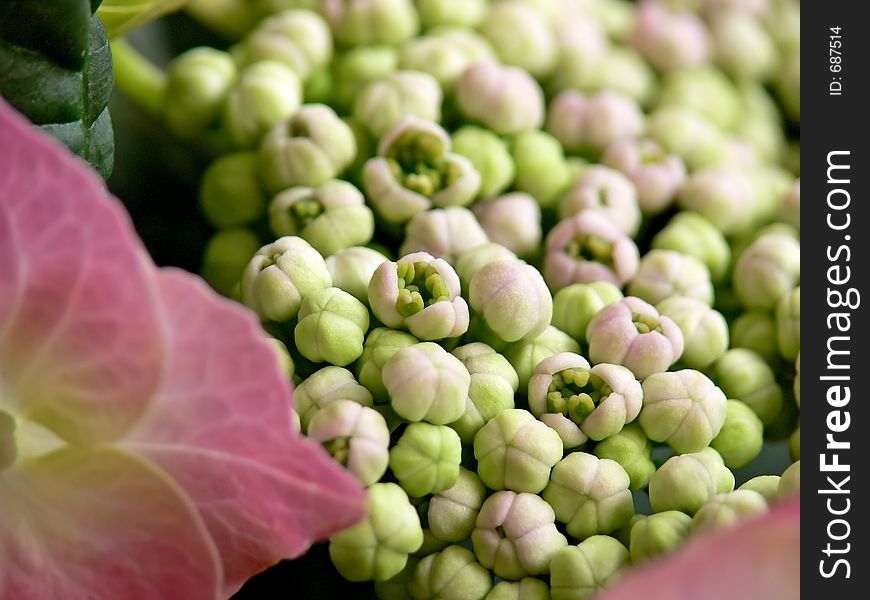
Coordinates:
column 591, row 248
column 420, row 285
column 303, row 211
column 646, row 323
column 575, row 393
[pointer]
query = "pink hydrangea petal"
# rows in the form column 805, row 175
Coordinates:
column 80, row 344
column 101, row 524
column 221, row 426
column 756, row 560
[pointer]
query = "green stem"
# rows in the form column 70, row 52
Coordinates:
column 137, row 77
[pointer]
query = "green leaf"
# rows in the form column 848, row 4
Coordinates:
column 121, row 16
column 56, row 68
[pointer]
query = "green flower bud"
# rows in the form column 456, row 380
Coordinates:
column 687, row 134
column 794, row 444
column 693, row 235
column 541, row 169
column 474, row 259
column 308, row 149
column 515, row 535
column 766, row 485
column 225, row 256
column 659, row 534
column 363, row 22
column 285, row 362
column 578, row 572
column 583, row 46
column 229, row 192
column 788, row 324
column 725, row 510
column 609, row 193
column 525, row 355
column 741, row 437
column 521, row 37
column 633, row 451
column 705, row 330
column 378, row 546
column 452, row 573
column 426, row 458
column 298, row 38
column 431, row 544
column 453, row 512
column 742, row 46
column 443, row 232
column 726, row 196
column 444, row 56
column 513, row 220
column 424, row 381
column 706, row 91
column 489, row 155
column 266, row 93
column 356, row 436
column 513, row 299
column 461, row 13
column 197, row 84
column 280, row 274
column 742, row 374
column 332, row 326
column 324, row 387
column 766, row 270
column 352, row 269
column 790, row 483
column 505, row 99
column 380, row 346
column 493, row 384
column 527, row 588
column 683, row 408
column 575, row 305
column 756, row 331
column 383, row 102
column 419, row 293
column 623, row 70
column 396, row 588
column 666, row 273
column 515, row 451
column 685, row 482
column 354, row 69
column 590, row 495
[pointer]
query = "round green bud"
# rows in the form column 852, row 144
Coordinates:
column 741, row 437
column 541, row 169
column 197, row 84
column 790, row 483
column 705, row 331
column 513, row 220
column 280, row 274
column 633, row 451
column 380, row 346
column 378, row 546
column 383, row 102
column 725, row 510
column 266, row 93
column 666, row 273
column 692, row 234
column 352, row 70
column 624, row 70
column 658, row 534
column 575, row 305
column 474, row 259
column 706, row 91
column 683, row 408
column 453, row 512
column 579, row 572
column 324, row 387
column 426, row 458
column 527, row 588
column 609, row 193
column 768, row 269
column 742, row 46
column 521, row 37
column 583, row 46
column 363, row 22
column 285, row 363
column 443, row 232
column 726, row 196
column 525, row 355
column 766, row 485
column 332, row 327
column 444, row 56
column 686, row 481
column 505, row 99
column 452, row 573
column 226, row 254
column 425, row 382
column 396, row 587
column 461, row 13
column 743, row 375
column 490, row 156
column 788, row 324
column 755, row 330
column 298, row 38
column 352, row 269
column 512, row 298
column 687, row 134
column 230, row 192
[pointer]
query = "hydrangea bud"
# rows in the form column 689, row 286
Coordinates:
column 742, row 46
column 686, row 481
column 766, row 270
column 687, row 134
column 521, row 37
column 670, row 39
column 744, row 375
column 354, row 69
column 790, row 206
column 683, row 408
column 279, row 275
column 298, row 38
column 704, row 90
column 443, row 232
column 541, row 168
column 656, row 175
column 505, row 99
column 425, row 382
column 525, row 355
column 586, row 248
column 705, row 331
column 308, row 149
column 489, row 155
column 513, row 220
column 726, row 196
column 693, row 235
column 444, row 55
column 419, row 293
column 590, row 495
column 592, row 124
column 426, row 458
column 580, row 401
column 382, row 103
column 788, row 324
column 633, row 451
column 474, row 259
column 663, row 274
column 352, row 269
column 766, row 485
column 265, row 93
column 332, row 327
column 363, row 22
column 725, row 510
column 515, row 451
column 659, row 534
column 609, row 193
column 197, row 84
column 527, row 588
column 356, row 436
column 575, row 305
column 460, row 13
column 516, row 535
column 225, row 256
column 790, row 482
column 583, row 46
column 380, row 346
column 579, row 572
column 632, row 333
column 741, row 437
column 512, row 298
column 452, row 572
column 396, row 587
column 378, row 546
column 324, row 387
column 230, row 192
column 453, row 512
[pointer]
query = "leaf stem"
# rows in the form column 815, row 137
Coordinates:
column 137, row 77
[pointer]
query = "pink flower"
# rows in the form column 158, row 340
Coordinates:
column 151, row 452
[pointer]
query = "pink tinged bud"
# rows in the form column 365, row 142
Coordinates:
column 512, row 220
column 444, row 233
column 505, row 99
column 609, row 192
column 657, row 176
column 670, row 39
column 566, row 119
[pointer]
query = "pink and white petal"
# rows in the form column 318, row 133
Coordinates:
column 221, row 426
column 758, row 559
column 101, row 524
column 81, row 346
